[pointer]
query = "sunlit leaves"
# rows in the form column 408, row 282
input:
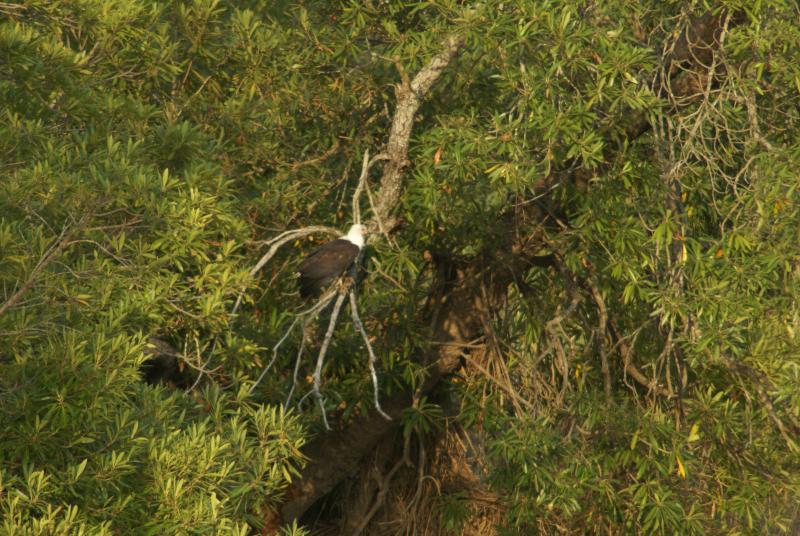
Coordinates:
column 191, row 131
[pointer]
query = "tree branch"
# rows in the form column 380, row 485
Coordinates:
column 287, row 236
column 323, row 350
column 306, row 316
column 372, row 359
column 602, row 329
column 409, row 99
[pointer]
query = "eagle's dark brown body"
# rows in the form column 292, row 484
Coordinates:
column 326, row 264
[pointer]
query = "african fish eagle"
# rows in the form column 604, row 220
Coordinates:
column 330, row 261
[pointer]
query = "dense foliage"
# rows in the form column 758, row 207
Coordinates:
column 644, row 381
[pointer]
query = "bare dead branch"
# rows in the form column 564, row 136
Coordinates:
column 275, row 244
column 306, row 316
column 363, row 185
column 296, row 370
column 410, row 97
column 350, row 445
column 755, row 130
column 372, row 359
column 312, row 313
column 287, row 236
column 321, row 357
column 274, row 353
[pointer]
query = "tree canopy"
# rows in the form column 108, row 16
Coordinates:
column 581, row 284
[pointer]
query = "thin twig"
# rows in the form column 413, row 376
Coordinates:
column 502, row 385
column 55, row 249
column 297, row 361
column 360, row 188
column 307, row 316
column 198, row 351
column 274, row 354
column 363, row 185
column 602, row 328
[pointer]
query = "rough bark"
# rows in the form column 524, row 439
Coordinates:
column 409, row 99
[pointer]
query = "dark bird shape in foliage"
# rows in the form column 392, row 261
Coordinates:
column 329, row 262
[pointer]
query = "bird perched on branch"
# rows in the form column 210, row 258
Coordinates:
column 330, row 261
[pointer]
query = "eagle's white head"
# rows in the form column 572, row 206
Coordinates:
column 356, row 235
